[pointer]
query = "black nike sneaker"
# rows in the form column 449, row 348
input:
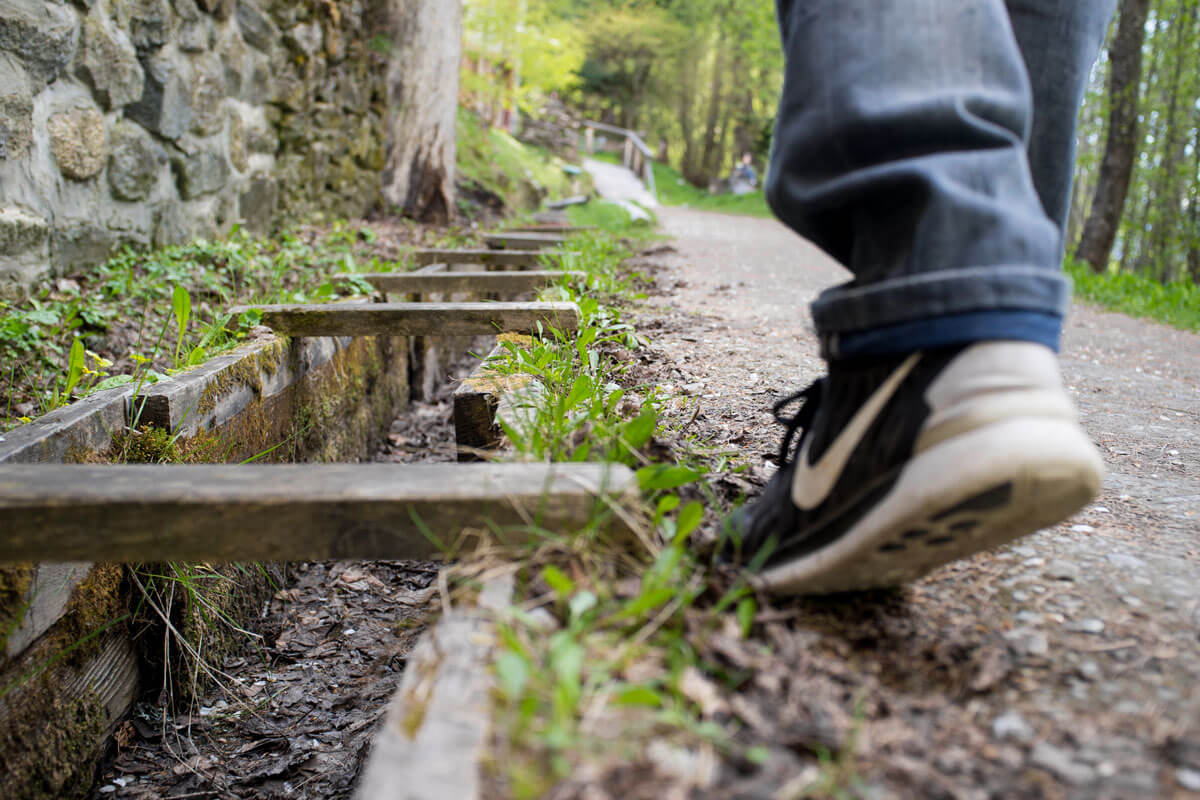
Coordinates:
column 907, row 463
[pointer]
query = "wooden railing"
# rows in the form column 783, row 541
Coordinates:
column 636, row 155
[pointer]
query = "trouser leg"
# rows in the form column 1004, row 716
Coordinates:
column 1059, row 42
column 900, row 149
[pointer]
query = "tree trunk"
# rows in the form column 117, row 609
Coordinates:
column 1120, row 148
column 418, row 180
column 708, row 167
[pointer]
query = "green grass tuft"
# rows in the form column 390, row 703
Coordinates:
column 1177, row 303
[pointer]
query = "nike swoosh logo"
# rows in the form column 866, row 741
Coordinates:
column 812, row 484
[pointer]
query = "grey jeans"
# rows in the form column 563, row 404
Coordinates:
column 928, row 145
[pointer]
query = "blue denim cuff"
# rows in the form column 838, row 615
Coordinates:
column 945, row 331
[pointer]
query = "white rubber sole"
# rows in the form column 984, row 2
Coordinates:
column 968, row 494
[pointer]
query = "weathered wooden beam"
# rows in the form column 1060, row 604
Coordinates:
column 523, row 241
column 561, row 229
column 574, row 200
column 501, row 282
column 415, row 319
column 284, row 512
column 524, row 259
column 433, row 740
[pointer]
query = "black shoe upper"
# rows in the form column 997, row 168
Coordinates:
column 773, row 521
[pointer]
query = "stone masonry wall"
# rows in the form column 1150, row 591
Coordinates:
column 150, row 122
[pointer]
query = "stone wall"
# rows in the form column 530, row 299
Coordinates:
column 149, row 122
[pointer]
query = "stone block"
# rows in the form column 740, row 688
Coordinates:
column 221, row 9
column 239, row 153
column 42, row 35
column 165, row 107
column 259, row 203
column 79, row 142
column 257, row 28
column 208, row 96
column 148, row 22
column 200, row 173
column 108, row 62
column 82, row 245
column 134, row 162
column 24, row 246
column 304, row 38
column 289, row 92
column 16, row 109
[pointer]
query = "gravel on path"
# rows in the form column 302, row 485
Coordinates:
column 1067, row 665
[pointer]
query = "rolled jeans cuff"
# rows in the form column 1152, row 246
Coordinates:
column 850, row 308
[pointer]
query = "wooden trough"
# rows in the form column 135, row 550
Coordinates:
column 449, row 282
column 519, row 259
column 415, row 319
column 523, row 241
column 285, row 512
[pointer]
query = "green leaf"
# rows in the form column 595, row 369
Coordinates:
column 579, row 392
column 638, row 696
column 688, row 520
column 74, row 366
column 113, row 382
column 746, row 609
column 566, row 660
column 557, row 580
column 512, row 672
column 637, row 431
column 666, row 476
column 647, row 601
column 181, row 306
column 582, row 603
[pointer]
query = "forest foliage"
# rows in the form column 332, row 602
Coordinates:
column 1158, row 225
column 699, row 79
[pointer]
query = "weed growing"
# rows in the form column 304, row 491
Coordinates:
column 600, row 654
column 85, row 333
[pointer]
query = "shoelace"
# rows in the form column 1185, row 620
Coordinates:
column 802, row 419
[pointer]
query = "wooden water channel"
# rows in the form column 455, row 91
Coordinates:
column 300, row 512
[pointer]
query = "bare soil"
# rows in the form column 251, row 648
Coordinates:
column 1066, row 666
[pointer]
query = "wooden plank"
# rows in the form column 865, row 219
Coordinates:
column 434, row 737
column 574, row 200
column 415, row 319
column 282, row 512
column 525, row 259
column 523, row 241
column 507, row 282
column 561, row 229
column 485, row 398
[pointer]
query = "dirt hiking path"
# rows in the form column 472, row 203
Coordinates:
column 1065, row 666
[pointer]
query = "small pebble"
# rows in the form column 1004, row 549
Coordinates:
column 1087, row 626
column 1062, row 570
column 1033, row 562
column 1060, row 764
column 1028, row 642
column 1100, row 510
column 1131, row 601
column 1188, row 778
column 1125, row 561
column 1020, row 597
column 1089, row 670
column 1083, row 529
column 1011, row 725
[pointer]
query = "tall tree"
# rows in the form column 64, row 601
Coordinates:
column 426, row 45
column 1121, row 146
